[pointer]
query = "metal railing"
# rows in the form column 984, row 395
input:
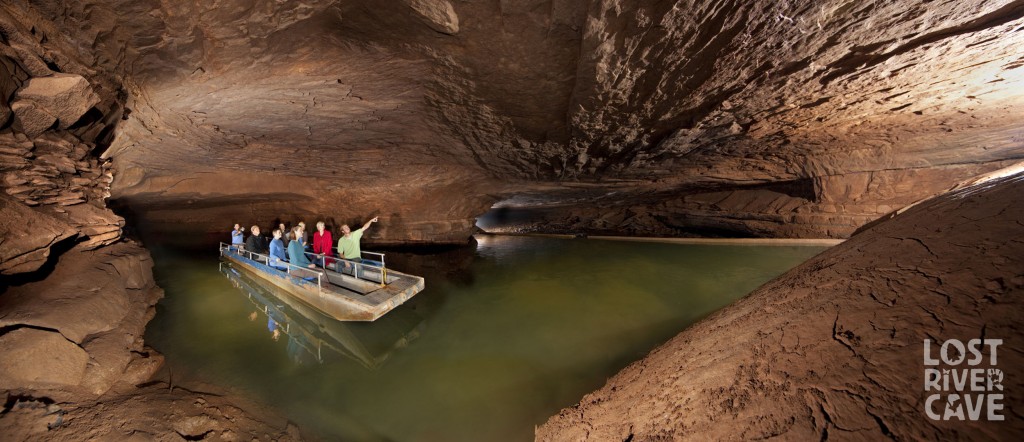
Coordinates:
column 271, row 262
column 353, row 268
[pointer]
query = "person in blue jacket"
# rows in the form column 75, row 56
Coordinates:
column 277, row 257
column 237, row 236
column 296, row 251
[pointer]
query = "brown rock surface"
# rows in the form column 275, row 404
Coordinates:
column 71, row 331
column 40, row 359
column 98, row 300
column 30, row 119
column 26, row 236
column 438, row 14
column 765, row 119
column 153, row 413
column 833, row 348
column 74, row 366
column 66, row 97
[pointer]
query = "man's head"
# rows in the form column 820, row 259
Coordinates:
column 345, row 229
column 236, row 226
column 303, row 225
column 320, row 226
column 255, row 230
column 277, row 233
column 281, row 226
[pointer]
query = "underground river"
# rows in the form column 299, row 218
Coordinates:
column 506, row 333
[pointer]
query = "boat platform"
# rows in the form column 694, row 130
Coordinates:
column 313, row 334
column 342, row 289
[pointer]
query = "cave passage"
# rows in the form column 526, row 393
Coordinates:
column 504, row 335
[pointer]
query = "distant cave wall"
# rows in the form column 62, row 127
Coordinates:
column 195, row 209
column 832, row 206
column 291, row 112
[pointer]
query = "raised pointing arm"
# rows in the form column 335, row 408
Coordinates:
column 369, row 222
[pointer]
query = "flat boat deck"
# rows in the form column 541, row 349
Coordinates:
column 365, row 297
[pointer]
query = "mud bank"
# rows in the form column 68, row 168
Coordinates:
column 834, row 348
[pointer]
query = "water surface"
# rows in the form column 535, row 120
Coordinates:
column 505, row 334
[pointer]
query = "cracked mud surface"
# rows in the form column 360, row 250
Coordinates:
column 833, row 349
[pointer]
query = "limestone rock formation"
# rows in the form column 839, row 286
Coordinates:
column 833, row 348
column 76, row 338
column 439, row 15
column 26, row 237
column 682, row 117
column 654, row 118
column 809, row 117
column 95, row 300
column 40, row 359
column 156, row 413
column 63, row 98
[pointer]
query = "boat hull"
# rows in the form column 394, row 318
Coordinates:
column 336, row 302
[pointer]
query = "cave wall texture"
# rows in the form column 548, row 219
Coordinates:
column 832, row 349
column 796, row 118
column 783, row 118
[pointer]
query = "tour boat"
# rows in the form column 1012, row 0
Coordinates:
column 311, row 333
column 342, row 289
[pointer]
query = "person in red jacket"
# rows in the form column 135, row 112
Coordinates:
column 322, row 243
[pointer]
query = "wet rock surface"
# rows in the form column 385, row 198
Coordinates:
column 834, row 347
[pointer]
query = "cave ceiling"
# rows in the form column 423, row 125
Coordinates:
column 433, row 110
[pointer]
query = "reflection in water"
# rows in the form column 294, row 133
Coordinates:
column 504, row 335
column 310, row 333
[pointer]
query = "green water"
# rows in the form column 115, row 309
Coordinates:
column 505, row 334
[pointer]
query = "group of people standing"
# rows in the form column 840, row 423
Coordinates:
column 291, row 245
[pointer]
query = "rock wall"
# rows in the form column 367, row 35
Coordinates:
column 52, row 122
column 693, row 113
column 75, row 366
column 74, row 297
column 657, row 118
column 684, row 116
column 81, row 327
column 823, row 207
column 834, row 347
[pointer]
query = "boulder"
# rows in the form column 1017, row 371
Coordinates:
column 66, row 97
column 40, row 359
column 99, row 300
column 27, row 236
column 31, row 119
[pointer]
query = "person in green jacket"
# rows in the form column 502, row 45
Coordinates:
column 348, row 244
column 296, row 253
